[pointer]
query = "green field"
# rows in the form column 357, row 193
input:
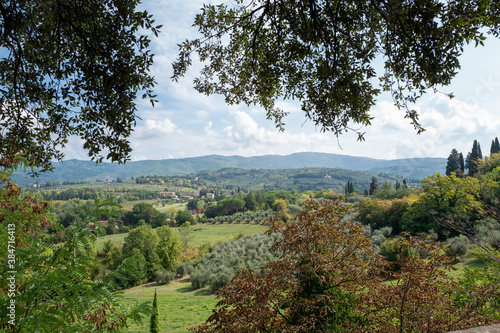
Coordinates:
column 203, row 233
column 179, row 305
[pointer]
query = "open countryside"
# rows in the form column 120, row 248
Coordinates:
column 249, row 166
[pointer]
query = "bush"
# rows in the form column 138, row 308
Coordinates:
column 123, row 229
column 164, row 276
column 457, row 246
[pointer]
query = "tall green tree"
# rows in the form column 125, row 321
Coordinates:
column 183, row 216
column 495, row 146
column 169, row 247
column 323, row 53
column 453, row 163
column 462, row 162
column 146, row 212
column 250, row 201
column 349, row 188
column 474, row 158
column 142, row 242
column 373, row 186
column 185, row 232
column 154, row 325
column 72, row 68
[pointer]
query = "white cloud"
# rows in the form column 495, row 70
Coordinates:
column 187, row 123
column 155, row 129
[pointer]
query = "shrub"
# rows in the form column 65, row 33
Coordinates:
column 457, row 246
column 123, row 229
column 164, row 276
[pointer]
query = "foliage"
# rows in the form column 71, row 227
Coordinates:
column 164, row 276
column 329, row 279
column 443, row 197
column 84, row 82
column 318, row 271
column 169, row 247
column 52, row 285
column 185, row 233
column 453, row 163
column 145, row 211
column 474, row 158
column 495, row 146
column 383, row 213
column 110, row 255
column 280, row 208
column 457, row 246
column 257, row 217
column 323, row 53
column 218, row 267
column 182, row 217
column 142, row 242
column 153, row 323
column 425, row 298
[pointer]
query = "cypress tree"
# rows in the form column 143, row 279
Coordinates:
column 467, row 161
column 154, row 325
column 461, row 161
column 475, row 156
column 351, row 187
column 404, row 184
column 373, row 185
column 398, row 185
column 495, row 146
column 453, row 164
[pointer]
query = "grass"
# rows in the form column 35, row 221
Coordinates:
column 167, row 207
column 118, row 239
column 467, row 261
column 128, row 205
column 203, row 233
column 179, row 305
column 222, row 232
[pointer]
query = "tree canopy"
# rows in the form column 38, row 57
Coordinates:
column 324, row 53
column 72, row 68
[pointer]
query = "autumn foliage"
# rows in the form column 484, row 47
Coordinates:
column 329, row 279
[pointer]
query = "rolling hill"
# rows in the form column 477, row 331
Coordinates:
column 415, row 168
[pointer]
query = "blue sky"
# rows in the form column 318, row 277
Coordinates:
column 186, row 124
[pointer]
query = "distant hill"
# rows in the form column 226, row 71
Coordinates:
column 300, row 179
column 415, row 168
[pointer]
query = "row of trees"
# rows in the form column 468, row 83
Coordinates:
column 457, row 164
column 449, row 205
column 90, row 193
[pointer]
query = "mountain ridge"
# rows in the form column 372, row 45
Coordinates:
column 416, row 168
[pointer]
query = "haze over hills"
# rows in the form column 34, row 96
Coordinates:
column 415, row 168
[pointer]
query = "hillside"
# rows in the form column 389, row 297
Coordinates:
column 415, row 168
column 300, row 179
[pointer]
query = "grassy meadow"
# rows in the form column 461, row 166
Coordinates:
column 179, row 305
column 203, row 233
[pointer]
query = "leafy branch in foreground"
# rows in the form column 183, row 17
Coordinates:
column 72, row 68
column 51, row 286
column 323, row 53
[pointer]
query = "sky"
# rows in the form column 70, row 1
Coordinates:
column 186, row 123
